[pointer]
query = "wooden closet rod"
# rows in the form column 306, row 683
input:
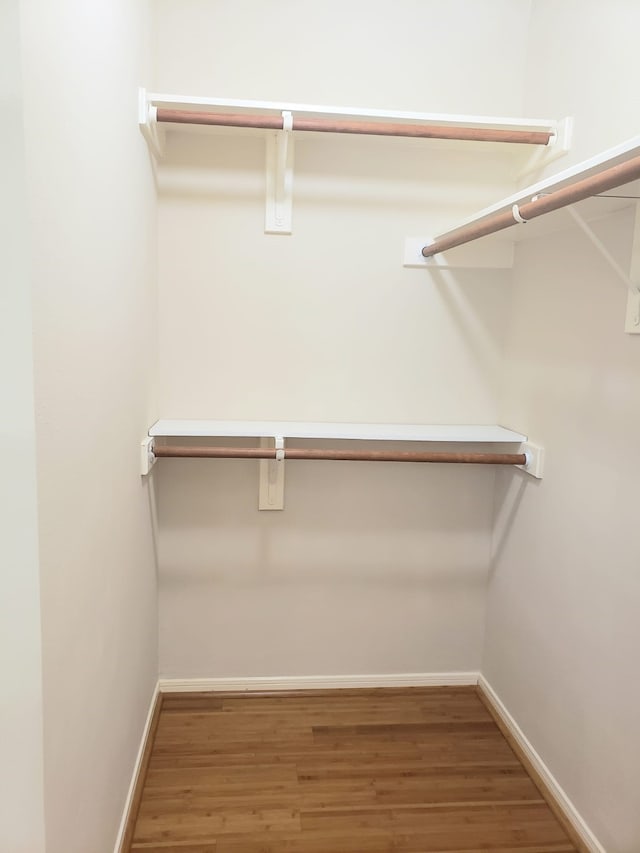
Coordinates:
column 340, row 455
column 370, row 128
column 608, row 179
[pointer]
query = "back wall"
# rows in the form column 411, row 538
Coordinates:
column 368, row 568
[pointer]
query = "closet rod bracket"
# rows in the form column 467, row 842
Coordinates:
column 534, row 454
column 559, row 145
column 632, row 323
column 489, row 254
column 147, row 455
column 279, row 198
column 632, row 319
column 149, row 127
column 271, row 483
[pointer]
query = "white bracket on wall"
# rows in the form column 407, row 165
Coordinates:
column 535, row 459
column 630, row 279
column 488, row 254
column 559, row 145
column 149, row 127
column 147, row 456
column 271, row 491
column 279, row 200
column 632, row 323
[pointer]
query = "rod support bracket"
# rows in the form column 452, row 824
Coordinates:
column 534, row 455
column 486, row 254
column 559, row 144
column 632, row 320
column 279, row 197
column 271, row 489
column 149, row 127
column 515, row 212
column 147, row 456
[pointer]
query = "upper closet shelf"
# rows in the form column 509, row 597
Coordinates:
column 481, row 433
column 281, row 122
column 161, row 112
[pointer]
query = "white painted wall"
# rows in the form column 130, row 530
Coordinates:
column 583, row 61
column 324, row 324
column 562, row 626
column 564, row 594
column 92, row 210
column 409, row 54
column 21, row 786
column 369, row 569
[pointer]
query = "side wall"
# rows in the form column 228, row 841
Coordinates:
column 582, row 61
column 21, row 791
column 369, row 569
column 564, row 596
column 92, row 217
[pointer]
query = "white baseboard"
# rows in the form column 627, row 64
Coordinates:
column 136, row 770
column 563, row 802
column 318, row 682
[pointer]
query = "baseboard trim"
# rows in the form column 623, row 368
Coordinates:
column 318, row 682
column 567, row 814
column 134, row 795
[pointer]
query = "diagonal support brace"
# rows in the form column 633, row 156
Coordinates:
column 632, row 279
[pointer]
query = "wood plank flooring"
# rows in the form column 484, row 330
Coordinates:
column 416, row 770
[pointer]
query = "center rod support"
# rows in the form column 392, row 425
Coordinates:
column 468, row 458
column 608, row 179
column 368, row 128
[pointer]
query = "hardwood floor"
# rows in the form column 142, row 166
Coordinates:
column 416, row 770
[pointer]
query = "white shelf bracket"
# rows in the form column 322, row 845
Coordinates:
column 279, row 200
column 147, row 119
column 559, row 145
column 147, row 456
column 487, row 254
column 632, row 279
column 271, row 491
column 632, row 322
column 534, row 454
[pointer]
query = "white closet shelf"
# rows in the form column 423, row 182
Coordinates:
column 590, row 208
column 151, row 100
column 591, row 189
column 527, row 456
column 456, row 433
column 281, row 123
